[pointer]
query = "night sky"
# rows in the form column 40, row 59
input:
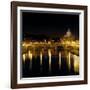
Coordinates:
column 40, row 25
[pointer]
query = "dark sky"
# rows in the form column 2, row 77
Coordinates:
column 48, row 24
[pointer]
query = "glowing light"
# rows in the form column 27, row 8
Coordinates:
column 24, row 57
column 76, row 63
column 49, row 42
column 30, row 57
column 40, row 58
column 49, row 54
column 45, row 40
column 59, row 60
column 68, row 33
column 24, row 44
column 32, row 49
column 69, row 62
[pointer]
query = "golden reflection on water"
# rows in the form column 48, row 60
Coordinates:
column 41, row 58
column 69, row 55
column 30, row 55
column 49, row 54
column 69, row 60
column 59, row 60
column 76, row 64
column 30, row 58
column 24, row 57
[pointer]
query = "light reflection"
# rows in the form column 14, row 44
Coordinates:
column 76, row 64
column 75, row 58
column 30, row 57
column 49, row 54
column 24, row 57
column 69, row 60
column 59, row 60
column 41, row 61
column 69, row 46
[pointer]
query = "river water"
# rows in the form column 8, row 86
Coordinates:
column 49, row 62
